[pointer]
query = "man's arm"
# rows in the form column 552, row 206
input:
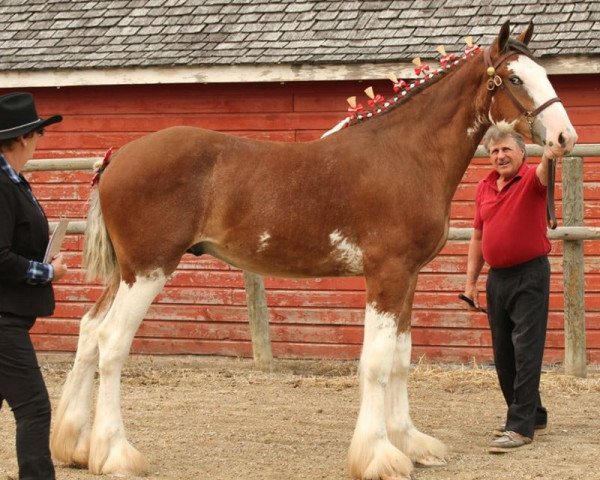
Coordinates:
column 474, row 265
column 542, row 171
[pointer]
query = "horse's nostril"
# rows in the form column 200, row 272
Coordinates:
column 561, row 140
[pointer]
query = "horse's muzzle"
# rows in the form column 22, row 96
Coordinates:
column 563, row 144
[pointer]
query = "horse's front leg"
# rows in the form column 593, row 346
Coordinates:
column 70, row 439
column 372, row 455
column 110, row 452
column 419, row 447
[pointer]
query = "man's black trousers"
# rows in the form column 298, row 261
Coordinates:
column 517, row 302
column 23, row 388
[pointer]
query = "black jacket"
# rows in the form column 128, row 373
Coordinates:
column 23, row 237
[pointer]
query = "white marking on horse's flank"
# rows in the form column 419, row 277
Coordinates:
column 337, row 128
column 349, row 253
column 263, row 241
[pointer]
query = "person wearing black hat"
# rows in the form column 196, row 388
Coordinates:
column 25, row 285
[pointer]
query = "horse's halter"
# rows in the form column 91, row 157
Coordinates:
column 495, row 81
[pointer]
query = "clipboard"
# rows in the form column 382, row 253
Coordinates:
column 56, row 240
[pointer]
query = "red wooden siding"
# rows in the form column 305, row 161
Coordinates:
column 202, row 309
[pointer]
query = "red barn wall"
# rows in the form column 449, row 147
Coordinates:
column 202, row 308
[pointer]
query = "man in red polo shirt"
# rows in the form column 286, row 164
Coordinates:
column 510, row 235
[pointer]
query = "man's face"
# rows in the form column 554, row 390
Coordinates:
column 506, row 157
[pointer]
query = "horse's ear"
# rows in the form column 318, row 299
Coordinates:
column 526, row 35
column 503, row 36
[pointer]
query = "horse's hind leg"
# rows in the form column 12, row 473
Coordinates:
column 70, row 437
column 420, row 448
column 110, row 452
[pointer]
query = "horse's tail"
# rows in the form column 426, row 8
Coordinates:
column 99, row 257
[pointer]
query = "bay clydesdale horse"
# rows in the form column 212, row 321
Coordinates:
column 372, row 199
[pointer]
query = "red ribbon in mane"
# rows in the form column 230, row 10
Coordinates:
column 447, row 59
column 399, row 85
column 353, row 111
column 374, row 101
column 421, row 69
column 102, row 167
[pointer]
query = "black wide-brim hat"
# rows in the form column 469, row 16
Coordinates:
column 19, row 117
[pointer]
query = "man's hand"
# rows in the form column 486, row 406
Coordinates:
column 472, row 293
column 542, row 168
column 471, row 298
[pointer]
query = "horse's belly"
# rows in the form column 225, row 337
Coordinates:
column 339, row 261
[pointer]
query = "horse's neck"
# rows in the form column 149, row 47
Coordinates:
column 447, row 120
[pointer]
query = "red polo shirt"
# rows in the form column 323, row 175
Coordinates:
column 512, row 220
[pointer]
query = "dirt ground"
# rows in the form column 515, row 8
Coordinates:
column 217, row 418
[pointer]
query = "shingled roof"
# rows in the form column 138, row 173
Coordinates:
column 87, row 34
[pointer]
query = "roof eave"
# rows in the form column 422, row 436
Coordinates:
column 563, row 65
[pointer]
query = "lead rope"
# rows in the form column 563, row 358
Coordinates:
column 550, row 208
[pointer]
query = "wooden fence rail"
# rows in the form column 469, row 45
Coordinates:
column 572, row 234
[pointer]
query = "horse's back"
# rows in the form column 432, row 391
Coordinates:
column 251, row 203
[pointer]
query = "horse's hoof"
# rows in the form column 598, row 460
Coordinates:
column 123, row 459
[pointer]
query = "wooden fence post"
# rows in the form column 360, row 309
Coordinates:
column 573, row 271
column 259, row 321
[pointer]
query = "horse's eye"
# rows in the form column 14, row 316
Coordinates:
column 516, row 80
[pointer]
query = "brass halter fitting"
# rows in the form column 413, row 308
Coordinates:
column 495, row 80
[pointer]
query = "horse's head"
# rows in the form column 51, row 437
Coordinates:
column 523, row 96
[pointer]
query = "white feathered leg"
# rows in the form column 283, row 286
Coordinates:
column 372, row 456
column 420, row 448
column 110, row 452
column 70, row 437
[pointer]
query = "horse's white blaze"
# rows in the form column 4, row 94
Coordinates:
column 263, row 241
column 553, row 121
column 347, row 252
column 371, row 452
column 111, row 453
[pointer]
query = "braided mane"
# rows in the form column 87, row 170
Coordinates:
column 418, row 86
